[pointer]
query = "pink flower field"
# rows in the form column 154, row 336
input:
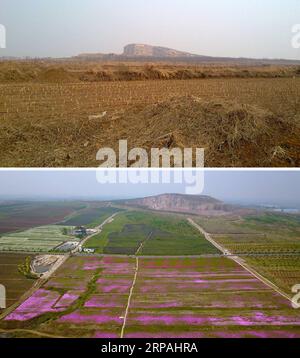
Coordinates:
column 185, row 298
column 42, row 301
column 68, row 299
column 194, row 298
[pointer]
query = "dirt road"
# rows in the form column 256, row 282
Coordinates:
column 208, row 238
column 98, row 231
column 45, row 277
column 130, row 297
column 239, row 261
column 38, row 284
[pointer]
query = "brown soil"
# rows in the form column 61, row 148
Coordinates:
column 233, row 135
column 32, row 216
column 55, row 75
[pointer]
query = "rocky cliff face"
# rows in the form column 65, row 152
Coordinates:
column 141, row 50
column 201, row 205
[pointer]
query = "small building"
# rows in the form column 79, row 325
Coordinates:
column 80, row 231
column 89, row 251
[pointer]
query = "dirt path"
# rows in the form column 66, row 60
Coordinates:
column 240, row 261
column 38, row 284
column 98, row 228
column 208, row 238
column 150, row 256
column 36, row 333
column 129, row 297
column 143, row 243
column 260, row 277
column 41, row 281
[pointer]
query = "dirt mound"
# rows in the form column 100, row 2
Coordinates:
column 56, row 75
column 16, row 75
column 51, row 71
column 232, row 134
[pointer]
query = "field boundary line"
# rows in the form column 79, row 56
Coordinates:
column 36, row 286
column 208, row 238
column 143, row 243
column 37, row 333
column 260, row 277
column 238, row 260
column 129, row 297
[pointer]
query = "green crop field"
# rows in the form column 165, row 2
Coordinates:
column 90, row 217
column 267, row 233
column 270, row 243
column 223, row 225
column 150, row 234
column 284, row 271
column 39, row 239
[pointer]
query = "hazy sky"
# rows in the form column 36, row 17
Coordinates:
column 248, row 28
column 234, row 186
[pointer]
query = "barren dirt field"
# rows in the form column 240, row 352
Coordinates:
column 18, row 216
column 239, row 121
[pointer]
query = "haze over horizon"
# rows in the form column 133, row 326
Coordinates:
column 243, row 187
column 63, row 28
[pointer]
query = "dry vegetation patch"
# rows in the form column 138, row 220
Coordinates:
column 226, row 129
column 246, row 122
column 44, row 71
column 232, row 134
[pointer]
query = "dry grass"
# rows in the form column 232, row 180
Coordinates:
column 82, row 71
column 232, row 134
column 241, row 122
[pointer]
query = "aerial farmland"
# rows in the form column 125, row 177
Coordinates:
column 157, row 275
column 167, row 298
column 15, row 282
column 40, row 239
